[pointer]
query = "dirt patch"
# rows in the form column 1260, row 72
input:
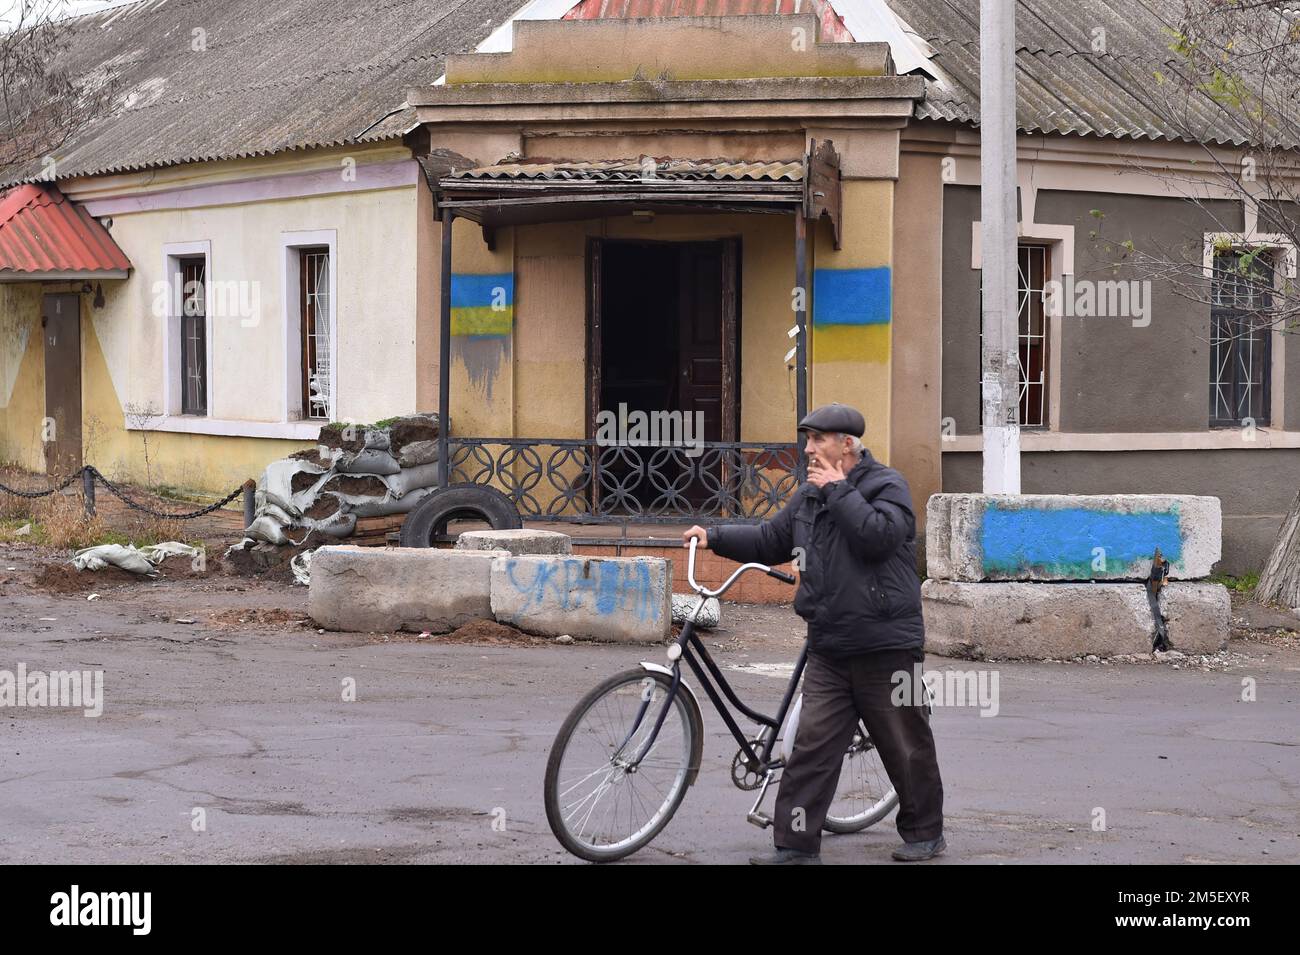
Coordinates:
column 489, row 631
column 63, row 578
column 182, row 566
column 364, row 486
column 325, row 506
column 333, row 437
column 302, row 481
column 313, row 456
column 482, row 632
column 1260, row 623
column 268, row 561
column 411, row 429
column 273, row 618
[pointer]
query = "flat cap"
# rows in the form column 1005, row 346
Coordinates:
column 835, row 417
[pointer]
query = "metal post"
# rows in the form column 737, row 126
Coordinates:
column 444, row 347
column 88, row 490
column 250, row 501
column 802, row 293
column 1000, row 360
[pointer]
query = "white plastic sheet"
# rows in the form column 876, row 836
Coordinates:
column 128, row 557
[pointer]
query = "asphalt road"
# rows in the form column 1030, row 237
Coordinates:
column 246, row 722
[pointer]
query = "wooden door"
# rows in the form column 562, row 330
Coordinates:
column 61, row 323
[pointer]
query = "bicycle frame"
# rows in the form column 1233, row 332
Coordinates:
column 689, row 647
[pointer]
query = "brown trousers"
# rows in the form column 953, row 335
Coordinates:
column 836, row 692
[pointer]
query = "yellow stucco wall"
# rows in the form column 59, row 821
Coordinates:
column 850, row 359
column 541, row 392
column 22, row 376
column 539, row 378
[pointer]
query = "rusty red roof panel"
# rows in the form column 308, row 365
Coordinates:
column 41, row 230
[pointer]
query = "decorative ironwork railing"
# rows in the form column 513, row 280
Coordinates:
column 579, row 481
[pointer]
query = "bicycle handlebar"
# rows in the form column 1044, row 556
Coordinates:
column 701, row 589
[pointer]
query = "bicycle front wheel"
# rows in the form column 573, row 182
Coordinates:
column 864, row 795
column 607, row 793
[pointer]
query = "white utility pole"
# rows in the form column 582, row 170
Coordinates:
column 999, row 361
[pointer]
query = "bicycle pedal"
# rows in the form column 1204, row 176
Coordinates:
column 760, row 819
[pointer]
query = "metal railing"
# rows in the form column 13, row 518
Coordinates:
column 580, row 481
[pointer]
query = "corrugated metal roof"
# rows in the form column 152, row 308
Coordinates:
column 202, row 80
column 641, row 168
column 42, row 231
column 1063, row 84
column 832, row 26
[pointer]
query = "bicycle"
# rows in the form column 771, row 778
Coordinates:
column 592, row 776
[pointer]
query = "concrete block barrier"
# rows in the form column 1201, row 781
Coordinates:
column 382, row 589
column 624, row 599
column 517, row 542
column 1064, row 537
column 1014, row 620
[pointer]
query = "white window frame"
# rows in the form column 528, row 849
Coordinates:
column 173, row 252
column 1060, row 241
column 1284, row 265
column 291, row 244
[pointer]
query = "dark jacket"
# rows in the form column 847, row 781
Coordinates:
column 858, row 586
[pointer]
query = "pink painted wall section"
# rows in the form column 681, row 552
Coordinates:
column 386, row 175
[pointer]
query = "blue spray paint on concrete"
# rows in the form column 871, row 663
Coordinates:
column 1061, row 541
column 568, row 584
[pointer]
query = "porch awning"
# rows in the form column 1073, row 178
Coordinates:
column 544, row 190
column 45, row 236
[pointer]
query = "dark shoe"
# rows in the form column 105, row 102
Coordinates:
column 787, row 857
column 920, row 851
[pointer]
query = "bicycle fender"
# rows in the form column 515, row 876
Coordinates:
column 790, row 728
column 693, row 704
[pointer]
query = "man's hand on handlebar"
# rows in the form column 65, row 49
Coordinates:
column 698, row 533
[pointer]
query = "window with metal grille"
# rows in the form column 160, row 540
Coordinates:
column 1033, row 269
column 1241, row 298
column 192, row 274
column 314, row 299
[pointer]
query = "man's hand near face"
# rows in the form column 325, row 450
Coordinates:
column 820, row 473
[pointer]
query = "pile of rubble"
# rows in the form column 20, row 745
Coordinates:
column 355, row 471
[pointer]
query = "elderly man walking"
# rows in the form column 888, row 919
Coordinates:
column 852, row 532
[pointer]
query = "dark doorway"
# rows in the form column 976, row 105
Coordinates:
column 61, row 323
column 664, row 340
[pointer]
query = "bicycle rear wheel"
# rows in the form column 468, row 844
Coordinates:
column 602, row 803
column 864, row 795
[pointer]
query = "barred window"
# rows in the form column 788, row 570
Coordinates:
column 192, row 274
column 314, row 307
column 1240, row 338
column 1033, row 269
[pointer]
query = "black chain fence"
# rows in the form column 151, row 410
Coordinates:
column 90, row 476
